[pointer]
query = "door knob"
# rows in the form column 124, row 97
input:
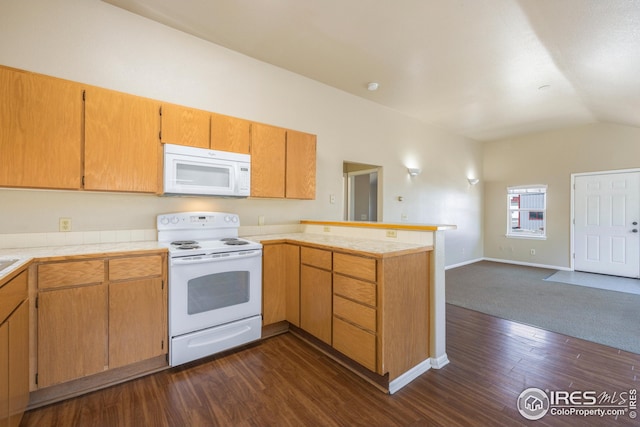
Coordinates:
column 634, row 223
column 635, row 230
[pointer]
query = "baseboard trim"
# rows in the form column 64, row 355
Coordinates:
column 409, row 376
column 440, row 361
column 528, row 264
column 460, row 264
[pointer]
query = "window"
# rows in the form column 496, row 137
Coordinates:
column 527, row 211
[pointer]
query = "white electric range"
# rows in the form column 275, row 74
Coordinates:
column 215, row 284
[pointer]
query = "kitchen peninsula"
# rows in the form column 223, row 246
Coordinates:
column 373, row 292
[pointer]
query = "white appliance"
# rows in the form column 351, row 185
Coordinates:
column 215, row 284
column 198, row 171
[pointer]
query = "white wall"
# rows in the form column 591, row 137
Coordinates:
column 549, row 158
column 95, row 43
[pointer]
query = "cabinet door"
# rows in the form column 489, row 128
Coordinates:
column 122, row 150
column 230, row 134
column 267, row 161
column 292, row 261
column 185, row 126
column 274, row 288
column 18, row 363
column 281, row 284
column 137, row 321
column 41, row 137
column 4, row 374
column 72, row 333
column 315, row 302
column 301, row 165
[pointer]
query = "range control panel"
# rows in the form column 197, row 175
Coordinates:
column 197, row 220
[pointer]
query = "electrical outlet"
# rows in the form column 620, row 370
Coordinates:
column 327, row 229
column 332, row 199
column 261, row 220
column 532, row 251
column 64, row 224
column 392, row 233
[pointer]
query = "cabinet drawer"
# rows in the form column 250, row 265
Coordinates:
column 364, row 292
column 355, row 343
column 356, row 313
column 12, row 294
column 56, row 275
column 355, row 266
column 315, row 257
column 135, row 267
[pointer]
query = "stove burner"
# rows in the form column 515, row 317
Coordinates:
column 189, row 246
column 235, row 242
column 184, row 242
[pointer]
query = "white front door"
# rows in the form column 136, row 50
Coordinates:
column 607, row 212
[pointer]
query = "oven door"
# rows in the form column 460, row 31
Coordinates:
column 212, row 290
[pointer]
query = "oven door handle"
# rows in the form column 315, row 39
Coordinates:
column 200, row 259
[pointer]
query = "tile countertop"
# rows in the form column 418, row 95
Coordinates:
column 388, row 225
column 376, row 248
column 25, row 255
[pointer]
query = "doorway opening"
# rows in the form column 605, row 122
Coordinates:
column 363, row 192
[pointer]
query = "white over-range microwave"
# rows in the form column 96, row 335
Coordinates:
column 199, row 171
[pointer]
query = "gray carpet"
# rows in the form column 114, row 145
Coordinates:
column 521, row 294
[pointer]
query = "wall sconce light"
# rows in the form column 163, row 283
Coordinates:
column 473, row 181
column 414, row 171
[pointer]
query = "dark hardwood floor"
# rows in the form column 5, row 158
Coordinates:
column 283, row 381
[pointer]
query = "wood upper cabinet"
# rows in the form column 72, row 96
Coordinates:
column 122, row 152
column 268, row 151
column 185, row 126
column 283, row 163
column 41, row 131
column 230, row 134
column 300, row 165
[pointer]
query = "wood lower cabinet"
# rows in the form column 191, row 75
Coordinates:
column 137, row 310
column 374, row 310
column 315, row 292
column 315, row 302
column 14, row 350
column 281, row 284
column 41, row 137
column 72, row 333
column 4, row 374
column 95, row 315
column 122, row 150
column 355, row 312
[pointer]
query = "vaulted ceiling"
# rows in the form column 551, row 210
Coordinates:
column 483, row 69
